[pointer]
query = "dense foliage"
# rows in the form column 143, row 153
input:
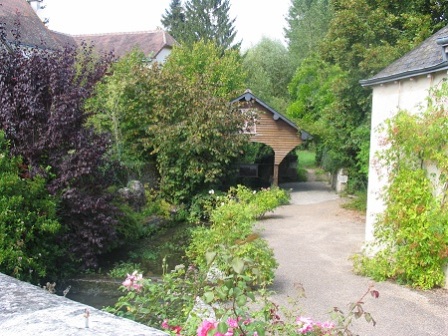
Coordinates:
column 269, row 70
column 307, row 24
column 177, row 115
column 201, row 20
column 42, row 95
column 362, row 37
column 412, row 235
column 28, row 223
column 230, row 245
column 121, row 106
column 196, row 135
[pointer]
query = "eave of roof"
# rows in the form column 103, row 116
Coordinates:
column 405, row 75
column 425, row 59
column 248, row 96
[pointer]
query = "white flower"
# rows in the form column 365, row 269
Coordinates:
column 211, row 191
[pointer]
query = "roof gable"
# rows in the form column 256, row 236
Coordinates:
column 149, row 42
column 33, row 32
column 249, row 96
column 424, row 59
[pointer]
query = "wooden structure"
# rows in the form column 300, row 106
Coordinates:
column 272, row 129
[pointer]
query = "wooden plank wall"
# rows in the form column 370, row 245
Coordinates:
column 277, row 134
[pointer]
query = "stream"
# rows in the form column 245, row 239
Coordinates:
column 100, row 290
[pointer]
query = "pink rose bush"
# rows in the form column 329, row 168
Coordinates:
column 210, row 325
column 175, row 329
column 309, row 327
column 133, row 282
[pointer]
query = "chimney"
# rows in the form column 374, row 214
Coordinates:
column 443, row 42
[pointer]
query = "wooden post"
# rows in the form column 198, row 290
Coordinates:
column 275, row 178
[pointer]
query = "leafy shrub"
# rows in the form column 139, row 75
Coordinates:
column 28, row 223
column 42, row 113
column 122, row 269
column 189, row 301
column 411, row 235
column 232, row 224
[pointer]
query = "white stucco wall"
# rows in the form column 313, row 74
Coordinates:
column 162, row 55
column 387, row 99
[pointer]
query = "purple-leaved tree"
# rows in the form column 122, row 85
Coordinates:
column 42, row 94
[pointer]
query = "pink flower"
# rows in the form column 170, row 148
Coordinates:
column 327, row 325
column 133, row 281
column 165, row 324
column 305, row 323
column 177, row 329
column 232, row 322
column 206, row 326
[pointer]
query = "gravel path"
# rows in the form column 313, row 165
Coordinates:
column 313, row 239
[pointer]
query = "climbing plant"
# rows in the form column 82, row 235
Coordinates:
column 412, row 234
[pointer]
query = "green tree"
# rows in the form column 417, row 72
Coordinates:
column 363, row 37
column 307, row 24
column 209, row 20
column 120, row 107
column 173, row 20
column 269, row 70
column 196, row 135
column 313, row 92
column 205, row 62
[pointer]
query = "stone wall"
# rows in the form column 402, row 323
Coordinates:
column 30, row 310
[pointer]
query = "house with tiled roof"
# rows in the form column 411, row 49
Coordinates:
column 403, row 85
column 19, row 15
column 155, row 44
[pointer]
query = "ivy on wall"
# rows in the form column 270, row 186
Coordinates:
column 412, row 233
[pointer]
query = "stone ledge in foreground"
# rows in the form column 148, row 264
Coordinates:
column 26, row 309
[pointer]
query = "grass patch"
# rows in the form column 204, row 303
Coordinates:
column 306, row 158
column 358, row 202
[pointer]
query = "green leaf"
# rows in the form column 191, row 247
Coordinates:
column 241, row 300
column 209, row 296
column 222, row 327
column 210, row 257
column 238, row 265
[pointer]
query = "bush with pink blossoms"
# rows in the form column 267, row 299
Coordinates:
column 217, row 297
column 133, row 281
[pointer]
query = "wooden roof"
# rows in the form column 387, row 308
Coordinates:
column 249, row 96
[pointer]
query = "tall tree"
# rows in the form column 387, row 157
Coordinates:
column 120, row 107
column 269, row 70
column 364, row 36
column 173, row 20
column 209, row 20
column 308, row 22
column 196, row 134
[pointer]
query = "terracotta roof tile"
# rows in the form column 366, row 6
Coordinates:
column 32, row 31
column 150, row 42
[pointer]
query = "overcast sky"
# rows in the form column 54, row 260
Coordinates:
column 254, row 18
